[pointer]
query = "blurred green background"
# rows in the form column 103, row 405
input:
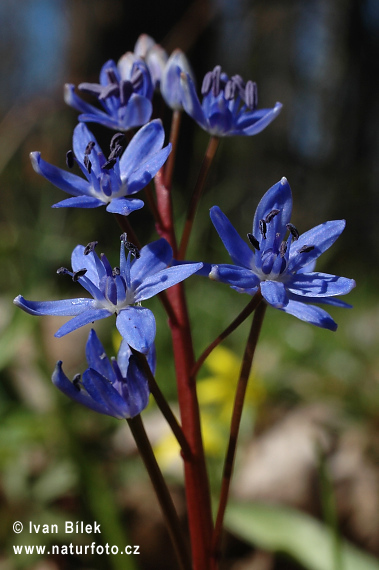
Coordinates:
column 310, row 438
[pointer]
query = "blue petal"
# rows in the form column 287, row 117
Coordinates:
column 65, row 308
column 235, row 276
column 153, row 258
column 146, row 171
column 190, row 101
column 97, row 358
column 79, row 202
column 81, row 137
column 145, row 143
column 102, row 118
column 136, row 113
column 278, row 197
column 237, row 248
column 66, row 181
column 61, row 381
column 123, row 355
column 333, row 301
column 311, row 314
column 137, row 326
column 321, row 238
column 91, row 262
column 103, row 393
column 320, row 285
column 72, row 99
column 108, row 65
column 258, row 125
column 274, row 292
column 124, row 206
column 137, row 390
column 86, row 317
column 164, row 279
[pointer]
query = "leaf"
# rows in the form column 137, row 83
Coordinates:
column 282, row 529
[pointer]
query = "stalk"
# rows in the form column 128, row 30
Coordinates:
column 234, row 428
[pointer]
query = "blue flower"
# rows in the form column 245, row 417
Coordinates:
column 109, row 182
column 116, row 387
column 165, row 71
column 281, row 262
column 117, row 291
column 229, row 106
column 124, row 92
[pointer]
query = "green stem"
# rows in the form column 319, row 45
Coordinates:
column 162, row 492
column 250, row 307
column 235, row 425
column 205, row 166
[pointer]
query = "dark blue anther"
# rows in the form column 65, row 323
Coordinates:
column 77, row 274
column 216, row 80
column 116, row 140
column 251, row 94
column 207, row 83
column 87, row 163
column 111, row 75
column 116, row 271
column 306, row 248
column 271, row 215
column 89, row 147
column 263, row 228
column 111, row 90
column 70, row 159
column 109, row 164
column 230, row 90
column 76, row 381
column 283, row 248
column 254, row 242
column 90, row 247
column 63, row 271
column 293, row 231
column 126, row 90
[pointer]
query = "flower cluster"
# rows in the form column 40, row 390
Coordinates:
column 275, row 260
column 279, row 261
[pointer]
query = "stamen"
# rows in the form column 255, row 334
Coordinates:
column 216, row 80
column 271, row 215
column 63, row 271
column 77, row 274
column 76, row 381
column 130, row 246
column 293, row 231
column 116, row 271
column 89, row 147
column 254, row 242
column 263, row 228
column 111, row 75
column 283, row 248
column 306, row 248
column 90, row 247
column 251, row 94
column 126, row 90
column 117, row 140
column 109, row 164
column 137, row 77
column 230, row 90
column 70, row 159
column 87, row 163
column 207, row 83
column 110, row 91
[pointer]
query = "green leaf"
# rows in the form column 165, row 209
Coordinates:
column 282, row 529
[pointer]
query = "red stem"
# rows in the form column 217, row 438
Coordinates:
column 234, row 428
column 196, row 478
